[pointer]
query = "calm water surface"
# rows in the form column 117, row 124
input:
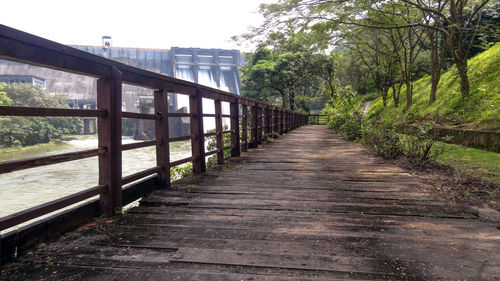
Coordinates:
column 28, row 188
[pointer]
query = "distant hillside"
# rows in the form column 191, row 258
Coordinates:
column 481, row 110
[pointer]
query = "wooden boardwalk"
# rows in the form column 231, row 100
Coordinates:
column 308, row 206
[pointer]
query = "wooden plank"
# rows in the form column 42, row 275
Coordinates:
column 29, row 214
column 134, row 115
column 178, row 114
column 142, row 174
column 136, row 145
column 181, row 161
column 181, row 138
column 109, row 98
column 162, row 135
column 11, row 166
column 281, row 260
column 45, row 112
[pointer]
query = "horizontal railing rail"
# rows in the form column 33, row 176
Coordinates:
column 250, row 121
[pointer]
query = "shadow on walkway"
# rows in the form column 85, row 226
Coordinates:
column 308, row 206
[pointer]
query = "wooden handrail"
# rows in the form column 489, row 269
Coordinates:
column 11, row 166
column 46, row 112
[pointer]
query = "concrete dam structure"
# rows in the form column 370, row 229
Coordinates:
column 216, row 68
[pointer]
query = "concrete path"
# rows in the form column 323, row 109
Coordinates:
column 310, row 206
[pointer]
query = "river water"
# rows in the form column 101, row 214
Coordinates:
column 28, row 188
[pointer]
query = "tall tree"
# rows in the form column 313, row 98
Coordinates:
column 456, row 20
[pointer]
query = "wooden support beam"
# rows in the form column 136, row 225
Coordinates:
column 162, row 137
column 282, row 121
column 276, row 122
column 244, row 124
column 259, row 123
column 197, row 140
column 234, row 111
column 253, row 122
column 109, row 127
column 267, row 121
column 218, row 129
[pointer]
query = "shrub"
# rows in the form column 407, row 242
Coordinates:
column 351, row 129
column 382, row 141
column 335, row 122
column 420, row 147
column 179, row 172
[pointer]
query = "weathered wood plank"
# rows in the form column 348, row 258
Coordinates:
column 308, row 206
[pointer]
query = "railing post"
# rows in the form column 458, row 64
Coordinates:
column 197, row 138
column 280, row 117
column 109, row 99
column 267, row 128
column 162, row 136
column 276, row 121
column 235, row 128
column 287, row 120
column 244, row 123
column 218, row 131
column 253, row 121
column 272, row 122
column 259, row 124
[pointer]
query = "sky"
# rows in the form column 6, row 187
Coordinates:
column 158, row 24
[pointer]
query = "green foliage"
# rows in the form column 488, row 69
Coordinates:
column 382, row 140
column 212, row 145
column 4, row 100
column 179, row 172
column 292, row 74
column 23, row 131
column 473, row 162
column 481, row 108
column 343, row 111
column 420, row 147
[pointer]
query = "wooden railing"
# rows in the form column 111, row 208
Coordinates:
column 256, row 120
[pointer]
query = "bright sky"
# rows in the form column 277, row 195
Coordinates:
column 136, row 23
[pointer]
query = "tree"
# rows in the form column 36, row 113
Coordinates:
column 458, row 23
column 290, row 73
column 456, row 20
column 4, row 100
column 32, row 130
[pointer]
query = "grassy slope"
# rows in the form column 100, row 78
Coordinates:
column 480, row 110
column 475, row 162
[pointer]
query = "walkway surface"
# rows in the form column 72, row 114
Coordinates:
column 308, row 206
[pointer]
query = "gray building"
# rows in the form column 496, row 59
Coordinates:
column 212, row 67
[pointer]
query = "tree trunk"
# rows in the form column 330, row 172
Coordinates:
column 283, row 99
column 292, row 101
column 395, row 95
column 409, row 92
column 461, row 65
column 436, row 64
column 385, row 93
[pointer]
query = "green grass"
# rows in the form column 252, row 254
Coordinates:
column 474, row 162
column 481, row 109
